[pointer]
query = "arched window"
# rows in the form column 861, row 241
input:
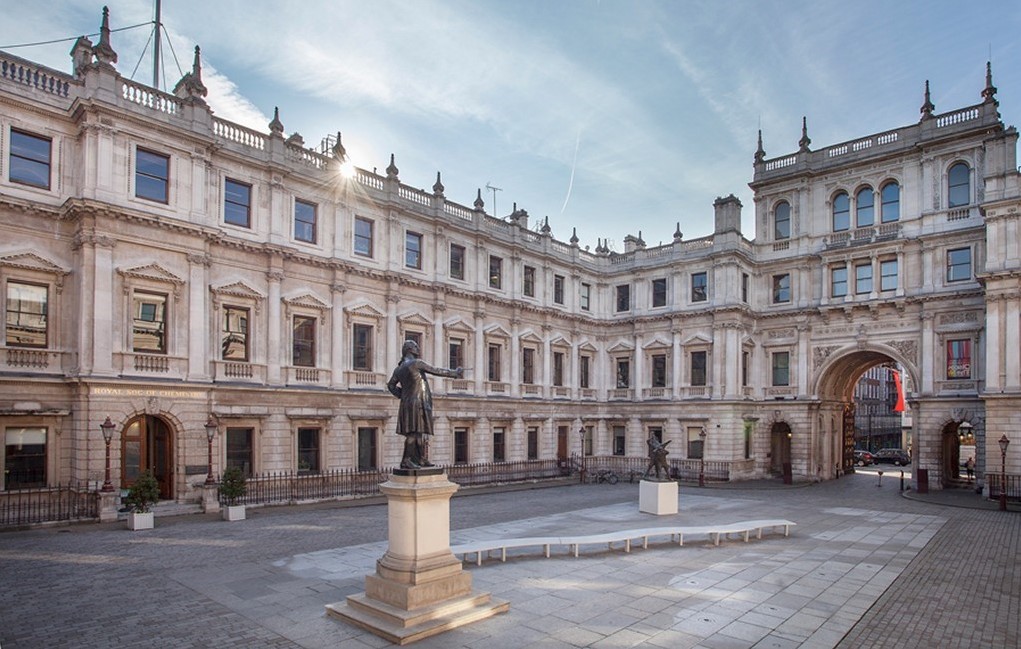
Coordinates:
column 864, row 207
column 891, row 202
column 782, row 221
column 841, row 212
column 958, row 186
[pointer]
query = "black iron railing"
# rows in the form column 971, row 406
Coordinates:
column 631, row 469
column 278, row 487
column 291, row 487
column 1013, row 486
column 47, row 504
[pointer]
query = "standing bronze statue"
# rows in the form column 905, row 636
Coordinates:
column 657, row 457
column 415, row 415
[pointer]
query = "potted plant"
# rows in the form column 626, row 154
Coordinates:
column 232, row 489
column 141, row 497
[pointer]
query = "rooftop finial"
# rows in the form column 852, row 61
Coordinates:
column 574, row 236
column 546, row 229
column 480, row 204
column 805, row 140
column 928, row 106
column 760, row 154
column 989, row 93
column 104, row 51
column 339, row 152
column 276, row 127
column 438, row 186
column 391, row 169
column 677, row 233
column 191, row 84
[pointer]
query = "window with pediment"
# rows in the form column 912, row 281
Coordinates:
column 151, row 292
column 235, row 306
column 31, row 286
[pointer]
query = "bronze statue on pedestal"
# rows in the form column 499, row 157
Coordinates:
column 415, row 415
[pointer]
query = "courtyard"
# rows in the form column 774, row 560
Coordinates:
column 864, row 567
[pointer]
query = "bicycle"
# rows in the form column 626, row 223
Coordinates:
column 606, row 475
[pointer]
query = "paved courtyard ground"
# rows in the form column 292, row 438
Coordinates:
column 865, row 567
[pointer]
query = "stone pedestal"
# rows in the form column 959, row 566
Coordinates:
column 419, row 589
column 109, row 501
column 210, row 498
column 658, row 498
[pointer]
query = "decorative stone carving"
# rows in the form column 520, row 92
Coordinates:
column 907, row 349
column 820, row 354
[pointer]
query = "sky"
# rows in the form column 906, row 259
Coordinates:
column 612, row 117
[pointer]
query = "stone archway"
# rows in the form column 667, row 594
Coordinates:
column 836, row 372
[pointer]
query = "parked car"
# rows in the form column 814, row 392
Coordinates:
column 863, row 458
column 891, row 456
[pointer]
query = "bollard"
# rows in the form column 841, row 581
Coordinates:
column 880, row 483
column 902, row 481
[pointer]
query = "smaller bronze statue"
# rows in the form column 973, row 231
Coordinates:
column 415, row 414
column 657, row 457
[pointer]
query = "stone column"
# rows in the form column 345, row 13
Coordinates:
column 480, row 363
column 101, row 298
column 676, row 358
column 199, row 323
column 1012, row 359
column 274, row 349
column 337, row 374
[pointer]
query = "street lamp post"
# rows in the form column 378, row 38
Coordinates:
column 701, row 461
column 1004, row 443
column 210, row 434
column 107, row 428
column 581, row 451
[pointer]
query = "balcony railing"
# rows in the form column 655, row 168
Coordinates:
column 34, row 360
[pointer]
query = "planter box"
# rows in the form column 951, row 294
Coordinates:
column 140, row 520
column 233, row 512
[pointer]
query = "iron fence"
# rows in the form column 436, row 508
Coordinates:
column 291, row 487
column 48, row 504
column 631, row 469
column 295, row 487
column 472, row 475
column 1013, row 486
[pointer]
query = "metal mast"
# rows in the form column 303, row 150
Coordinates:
column 156, row 49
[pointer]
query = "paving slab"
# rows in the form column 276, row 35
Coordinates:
column 863, row 567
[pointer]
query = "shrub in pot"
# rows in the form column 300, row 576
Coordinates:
column 232, row 489
column 142, row 496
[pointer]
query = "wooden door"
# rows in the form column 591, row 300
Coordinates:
column 562, row 443
column 147, row 444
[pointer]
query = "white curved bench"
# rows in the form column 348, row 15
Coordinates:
column 712, row 533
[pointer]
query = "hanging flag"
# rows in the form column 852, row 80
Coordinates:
column 900, row 392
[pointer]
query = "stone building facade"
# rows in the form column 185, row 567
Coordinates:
column 168, row 269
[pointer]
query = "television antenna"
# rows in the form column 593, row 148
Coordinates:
column 494, row 190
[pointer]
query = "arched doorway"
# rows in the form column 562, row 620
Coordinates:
column 859, row 417
column 147, row 443
column 956, row 448
column 779, row 447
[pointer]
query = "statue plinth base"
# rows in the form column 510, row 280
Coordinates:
column 658, row 498
column 420, row 588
